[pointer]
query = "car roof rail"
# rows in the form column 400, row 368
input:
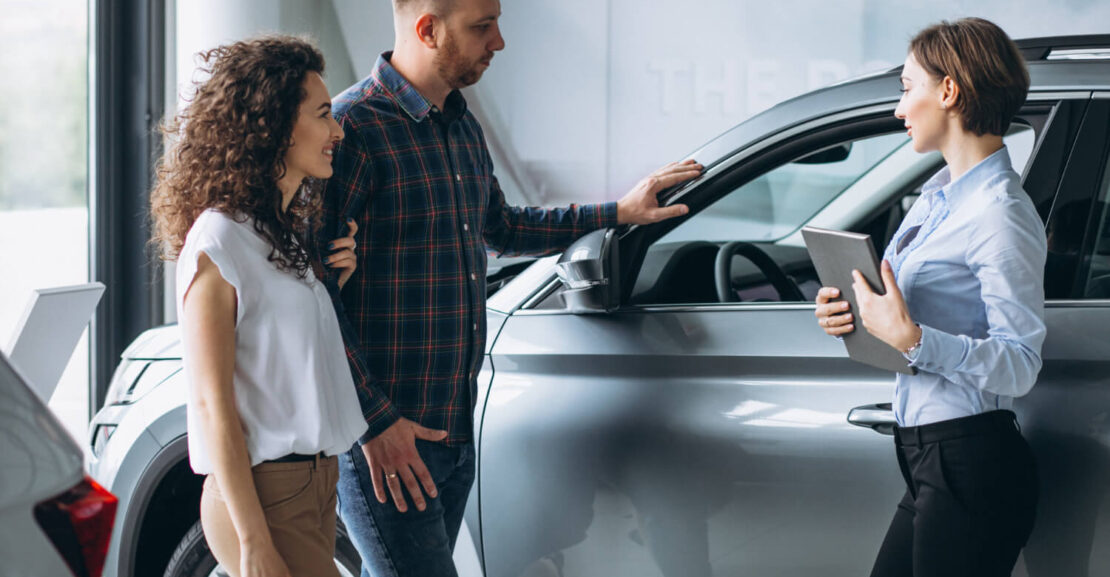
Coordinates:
column 1093, row 46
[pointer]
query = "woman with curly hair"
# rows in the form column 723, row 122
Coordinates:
column 271, row 399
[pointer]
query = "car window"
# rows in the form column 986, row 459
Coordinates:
column 1097, row 284
column 780, row 201
column 1019, row 141
column 851, row 181
column 763, row 214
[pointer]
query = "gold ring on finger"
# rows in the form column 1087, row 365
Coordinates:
column 391, row 475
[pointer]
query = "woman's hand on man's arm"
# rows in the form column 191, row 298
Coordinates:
column 343, row 256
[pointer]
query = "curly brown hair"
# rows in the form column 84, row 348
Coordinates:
column 229, row 147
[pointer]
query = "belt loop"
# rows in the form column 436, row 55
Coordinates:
column 917, row 436
column 316, row 460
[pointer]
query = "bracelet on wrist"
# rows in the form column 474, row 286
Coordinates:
column 911, row 352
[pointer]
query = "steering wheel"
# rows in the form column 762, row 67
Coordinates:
column 787, row 289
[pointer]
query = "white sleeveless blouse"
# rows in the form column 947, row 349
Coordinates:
column 293, row 387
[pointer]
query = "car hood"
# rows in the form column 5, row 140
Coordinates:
column 160, row 343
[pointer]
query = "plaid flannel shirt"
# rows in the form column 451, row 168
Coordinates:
column 419, row 182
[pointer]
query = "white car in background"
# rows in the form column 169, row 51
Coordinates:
column 54, row 520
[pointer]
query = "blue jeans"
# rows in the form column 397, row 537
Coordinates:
column 415, row 543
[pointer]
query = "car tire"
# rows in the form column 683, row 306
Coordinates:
column 193, row 558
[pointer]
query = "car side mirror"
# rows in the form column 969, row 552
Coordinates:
column 588, row 271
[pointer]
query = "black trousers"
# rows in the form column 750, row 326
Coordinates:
column 970, row 501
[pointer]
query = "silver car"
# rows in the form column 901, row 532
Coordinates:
column 660, row 401
column 53, row 519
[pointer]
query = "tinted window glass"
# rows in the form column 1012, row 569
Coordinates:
column 1098, row 279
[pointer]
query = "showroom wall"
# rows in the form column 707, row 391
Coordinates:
column 591, row 94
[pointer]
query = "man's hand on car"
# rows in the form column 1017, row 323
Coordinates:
column 641, row 205
column 394, row 461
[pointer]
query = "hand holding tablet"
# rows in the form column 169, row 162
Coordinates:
column 836, row 254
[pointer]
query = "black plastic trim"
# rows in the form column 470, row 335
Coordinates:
column 128, row 50
column 1040, row 48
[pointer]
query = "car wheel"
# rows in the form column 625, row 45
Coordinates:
column 192, row 558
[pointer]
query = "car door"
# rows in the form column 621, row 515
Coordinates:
column 1066, row 417
column 679, row 435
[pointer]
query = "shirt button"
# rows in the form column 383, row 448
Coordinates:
column 473, row 276
column 475, row 326
column 466, row 226
column 458, row 177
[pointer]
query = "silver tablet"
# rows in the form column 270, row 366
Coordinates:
column 50, row 329
column 835, row 255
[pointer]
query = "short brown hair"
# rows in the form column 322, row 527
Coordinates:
column 441, row 8
column 984, row 62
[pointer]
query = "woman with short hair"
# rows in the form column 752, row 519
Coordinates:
column 271, row 399
column 964, row 301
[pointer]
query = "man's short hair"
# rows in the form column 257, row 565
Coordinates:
column 439, row 8
column 984, row 62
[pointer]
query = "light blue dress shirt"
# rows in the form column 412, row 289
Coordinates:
column 973, row 278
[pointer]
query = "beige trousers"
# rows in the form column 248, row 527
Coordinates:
column 298, row 500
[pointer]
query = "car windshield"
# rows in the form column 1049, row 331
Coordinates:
column 778, row 202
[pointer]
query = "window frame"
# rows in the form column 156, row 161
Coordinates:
column 1071, row 248
column 127, row 71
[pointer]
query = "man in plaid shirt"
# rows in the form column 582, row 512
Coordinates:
column 415, row 175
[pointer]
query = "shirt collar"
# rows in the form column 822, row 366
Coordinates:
column 953, row 192
column 411, row 101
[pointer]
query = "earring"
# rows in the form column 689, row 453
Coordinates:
column 944, row 106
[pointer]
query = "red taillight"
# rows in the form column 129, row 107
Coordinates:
column 79, row 523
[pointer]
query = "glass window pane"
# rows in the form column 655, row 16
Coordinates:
column 43, row 170
column 778, row 202
column 1019, row 141
column 1098, row 279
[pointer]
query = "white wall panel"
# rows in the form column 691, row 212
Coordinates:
column 589, row 95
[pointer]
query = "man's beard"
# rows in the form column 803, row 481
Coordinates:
column 455, row 71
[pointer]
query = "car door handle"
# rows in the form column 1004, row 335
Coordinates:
column 878, row 418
